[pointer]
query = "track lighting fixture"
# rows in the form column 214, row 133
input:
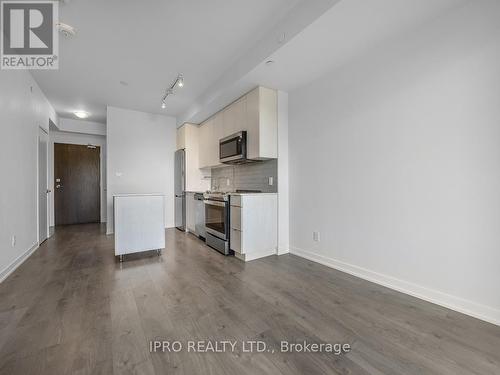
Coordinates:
column 179, row 81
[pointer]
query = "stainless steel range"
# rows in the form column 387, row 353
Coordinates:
column 217, row 221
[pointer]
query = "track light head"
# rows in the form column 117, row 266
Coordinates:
column 179, row 81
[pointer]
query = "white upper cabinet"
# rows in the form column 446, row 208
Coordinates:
column 189, row 139
column 181, row 137
column 255, row 112
column 210, row 133
column 217, row 134
column 234, row 117
column 262, row 123
column 205, row 134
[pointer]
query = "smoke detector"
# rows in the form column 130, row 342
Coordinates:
column 66, row 30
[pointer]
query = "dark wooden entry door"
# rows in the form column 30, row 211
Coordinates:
column 76, row 184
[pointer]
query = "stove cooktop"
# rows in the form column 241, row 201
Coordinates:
column 235, row 191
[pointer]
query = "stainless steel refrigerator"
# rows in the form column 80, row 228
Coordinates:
column 180, row 193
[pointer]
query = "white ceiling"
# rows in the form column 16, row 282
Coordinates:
column 146, row 43
column 344, row 32
column 347, row 31
column 219, row 45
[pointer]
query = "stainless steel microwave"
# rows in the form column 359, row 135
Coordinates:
column 233, row 149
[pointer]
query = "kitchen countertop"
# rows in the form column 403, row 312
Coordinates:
column 139, row 195
column 252, row 193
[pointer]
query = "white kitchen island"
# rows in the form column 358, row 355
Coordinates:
column 139, row 223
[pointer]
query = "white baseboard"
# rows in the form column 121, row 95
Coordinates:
column 486, row 313
column 247, row 257
column 283, row 250
column 17, row 262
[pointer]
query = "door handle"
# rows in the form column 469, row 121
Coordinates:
column 58, row 186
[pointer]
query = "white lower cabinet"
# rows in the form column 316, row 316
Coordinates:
column 235, row 217
column 236, row 240
column 254, row 225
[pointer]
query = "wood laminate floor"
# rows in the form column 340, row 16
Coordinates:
column 72, row 308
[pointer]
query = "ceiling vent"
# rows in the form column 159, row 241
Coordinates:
column 66, row 30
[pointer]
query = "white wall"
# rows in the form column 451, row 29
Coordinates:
column 23, row 109
column 140, row 157
column 395, row 159
column 283, row 176
column 81, row 126
column 77, row 139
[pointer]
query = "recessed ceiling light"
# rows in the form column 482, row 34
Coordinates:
column 81, row 114
column 163, row 105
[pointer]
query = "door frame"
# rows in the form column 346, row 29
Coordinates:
column 79, row 139
column 39, row 172
column 101, row 173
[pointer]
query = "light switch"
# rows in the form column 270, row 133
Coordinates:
column 270, row 181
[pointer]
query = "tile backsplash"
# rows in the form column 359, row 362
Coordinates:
column 254, row 176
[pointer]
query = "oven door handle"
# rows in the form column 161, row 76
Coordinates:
column 215, row 203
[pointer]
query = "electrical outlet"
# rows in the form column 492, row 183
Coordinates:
column 270, row 181
column 316, row 237
column 13, row 241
